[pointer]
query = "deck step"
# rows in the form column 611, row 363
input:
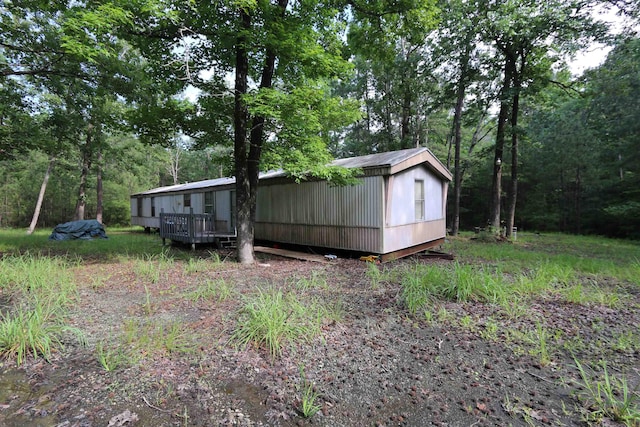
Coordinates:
column 226, row 242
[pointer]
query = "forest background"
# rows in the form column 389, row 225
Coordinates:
column 100, row 100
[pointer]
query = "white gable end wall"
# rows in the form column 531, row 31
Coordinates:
column 402, row 229
column 402, row 197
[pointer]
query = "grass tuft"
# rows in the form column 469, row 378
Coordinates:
column 609, row 397
column 308, row 406
column 219, row 290
column 457, row 282
column 273, row 319
column 34, row 331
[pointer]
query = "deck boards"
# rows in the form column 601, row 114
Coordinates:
column 291, row 254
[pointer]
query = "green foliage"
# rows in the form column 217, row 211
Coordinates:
column 219, row 290
column 374, row 274
column 305, row 116
column 274, row 319
column 422, row 283
column 153, row 267
column 608, row 396
column 308, row 400
column 196, row 265
column 557, row 265
column 111, row 359
column 155, row 338
column 87, row 31
column 147, row 270
column 317, row 281
column 31, row 275
column 34, row 329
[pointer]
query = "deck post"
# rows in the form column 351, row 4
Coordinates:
column 162, row 225
column 191, row 229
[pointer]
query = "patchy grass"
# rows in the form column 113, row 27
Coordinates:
column 604, row 395
column 34, row 330
column 273, row 319
column 498, row 329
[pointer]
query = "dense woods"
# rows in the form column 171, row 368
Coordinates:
column 99, row 100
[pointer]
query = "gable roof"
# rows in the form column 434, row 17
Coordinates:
column 396, row 161
column 387, row 163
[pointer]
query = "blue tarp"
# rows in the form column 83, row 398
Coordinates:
column 85, row 229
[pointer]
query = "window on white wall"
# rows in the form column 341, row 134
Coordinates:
column 209, row 202
column 419, row 199
column 187, row 200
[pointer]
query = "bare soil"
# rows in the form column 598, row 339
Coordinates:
column 377, row 365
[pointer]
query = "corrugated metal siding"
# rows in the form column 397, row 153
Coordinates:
column 348, row 238
column 145, row 222
column 320, row 204
column 314, row 213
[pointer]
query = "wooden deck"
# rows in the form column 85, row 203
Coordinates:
column 192, row 229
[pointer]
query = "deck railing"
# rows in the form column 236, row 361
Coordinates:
column 191, row 228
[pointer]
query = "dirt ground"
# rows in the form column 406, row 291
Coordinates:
column 374, row 365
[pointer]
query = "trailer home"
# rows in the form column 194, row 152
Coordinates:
column 398, row 208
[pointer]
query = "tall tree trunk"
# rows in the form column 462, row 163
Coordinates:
column 513, row 183
column 240, row 117
column 503, row 115
column 405, row 122
column 562, row 203
column 257, row 125
column 43, row 188
column 252, row 157
column 457, row 137
column 81, row 203
column 387, row 117
column 174, row 163
column 99, row 189
column 577, row 202
column 457, row 142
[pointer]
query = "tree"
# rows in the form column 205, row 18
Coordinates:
column 614, row 89
column 458, row 52
column 49, row 50
column 388, row 44
column 525, row 33
column 282, row 55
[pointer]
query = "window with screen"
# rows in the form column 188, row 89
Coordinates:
column 187, row 200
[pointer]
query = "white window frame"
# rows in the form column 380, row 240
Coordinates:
column 419, row 200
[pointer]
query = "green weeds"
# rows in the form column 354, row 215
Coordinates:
column 308, row 406
column 424, row 283
column 147, row 306
column 41, row 288
column 34, row 330
column 317, row 280
column 196, row 265
column 157, row 338
column 111, row 359
column 538, row 342
column 608, row 396
column 218, row 290
column 273, row 319
column 153, row 267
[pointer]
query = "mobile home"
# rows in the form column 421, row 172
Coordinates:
column 398, row 207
